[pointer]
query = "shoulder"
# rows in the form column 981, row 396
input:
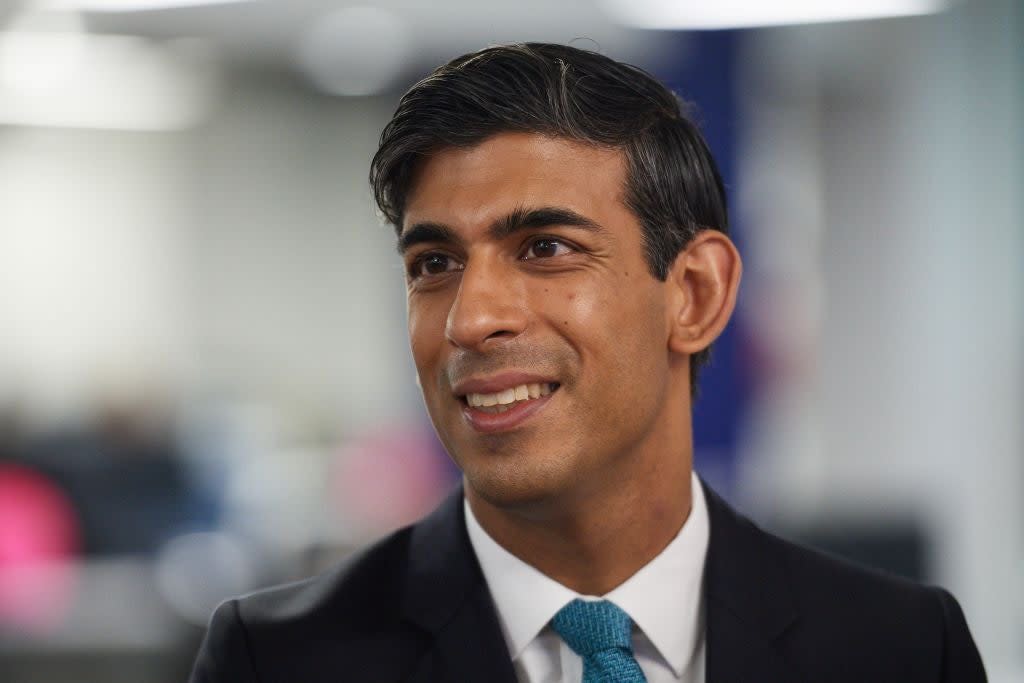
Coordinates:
column 913, row 631
column 838, row 620
column 307, row 629
column 825, row 587
column 368, row 619
column 825, row 582
column 363, row 589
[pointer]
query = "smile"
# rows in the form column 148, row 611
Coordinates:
column 501, row 401
column 504, row 402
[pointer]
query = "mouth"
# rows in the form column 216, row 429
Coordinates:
column 507, row 399
column 505, row 409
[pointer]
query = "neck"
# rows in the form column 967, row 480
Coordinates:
column 594, row 541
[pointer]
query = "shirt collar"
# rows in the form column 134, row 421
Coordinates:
column 664, row 597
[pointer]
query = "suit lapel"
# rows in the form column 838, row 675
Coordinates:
column 749, row 601
column 737, row 654
column 446, row 595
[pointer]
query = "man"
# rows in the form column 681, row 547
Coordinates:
column 563, row 229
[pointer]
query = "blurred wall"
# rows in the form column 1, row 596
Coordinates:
column 242, row 255
column 882, row 172
column 233, row 275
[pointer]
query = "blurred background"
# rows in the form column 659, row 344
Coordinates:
column 205, row 384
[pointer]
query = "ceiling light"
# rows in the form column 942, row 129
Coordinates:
column 113, row 6
column 724, row 14
column 355, row 51
column 79, row 80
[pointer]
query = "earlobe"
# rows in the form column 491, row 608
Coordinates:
column 704, row 280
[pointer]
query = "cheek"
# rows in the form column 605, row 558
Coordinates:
column 427, row 341
column 426, row 331
column 611, row 318
column 620, row 336
column 578, row 308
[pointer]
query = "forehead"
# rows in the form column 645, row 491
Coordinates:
column 474, row 186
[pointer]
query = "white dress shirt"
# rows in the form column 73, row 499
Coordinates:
column 664, row 598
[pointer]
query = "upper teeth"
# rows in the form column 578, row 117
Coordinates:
column 519, row 393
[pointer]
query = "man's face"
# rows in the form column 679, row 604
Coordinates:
column 538, row 332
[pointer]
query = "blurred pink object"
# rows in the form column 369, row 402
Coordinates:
column 389, row 478
column 39, row 538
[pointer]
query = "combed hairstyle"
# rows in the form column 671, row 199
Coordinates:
column 672, row 183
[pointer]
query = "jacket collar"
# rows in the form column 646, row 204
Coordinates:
column 750, row 600
column 442, row 570
column 445, row 595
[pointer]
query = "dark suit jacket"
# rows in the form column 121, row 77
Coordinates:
column 415, row 607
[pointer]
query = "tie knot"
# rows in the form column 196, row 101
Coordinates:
column 589, row 626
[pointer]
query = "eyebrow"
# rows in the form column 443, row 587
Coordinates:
column 426, row 232
column 515, row 221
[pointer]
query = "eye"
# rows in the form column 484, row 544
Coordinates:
column 432, row 263
column 546, row 247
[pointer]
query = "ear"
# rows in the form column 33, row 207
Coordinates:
column 703, row 282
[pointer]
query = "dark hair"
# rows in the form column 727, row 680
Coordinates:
column 672, row 183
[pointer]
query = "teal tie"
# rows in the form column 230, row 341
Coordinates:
column 600, row 633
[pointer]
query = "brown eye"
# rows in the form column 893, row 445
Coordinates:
column 546, row 247
column 432, row 264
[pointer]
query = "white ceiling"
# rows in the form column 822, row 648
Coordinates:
column 270, row 31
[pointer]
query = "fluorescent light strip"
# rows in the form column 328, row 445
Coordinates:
column 73, row 80
column 126, row 6
column 724, row 14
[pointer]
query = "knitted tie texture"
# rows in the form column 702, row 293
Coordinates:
column 600, row 633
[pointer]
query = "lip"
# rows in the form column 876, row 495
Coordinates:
column 512, row 418
column 499, row 382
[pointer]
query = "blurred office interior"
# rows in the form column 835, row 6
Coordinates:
column 205, row 383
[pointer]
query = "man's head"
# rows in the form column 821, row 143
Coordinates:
column 672, row 182
column 562, row 225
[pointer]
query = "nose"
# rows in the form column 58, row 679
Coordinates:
column 489, row 307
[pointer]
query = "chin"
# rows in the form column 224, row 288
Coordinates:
column 513, row 484
column 516, row 470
